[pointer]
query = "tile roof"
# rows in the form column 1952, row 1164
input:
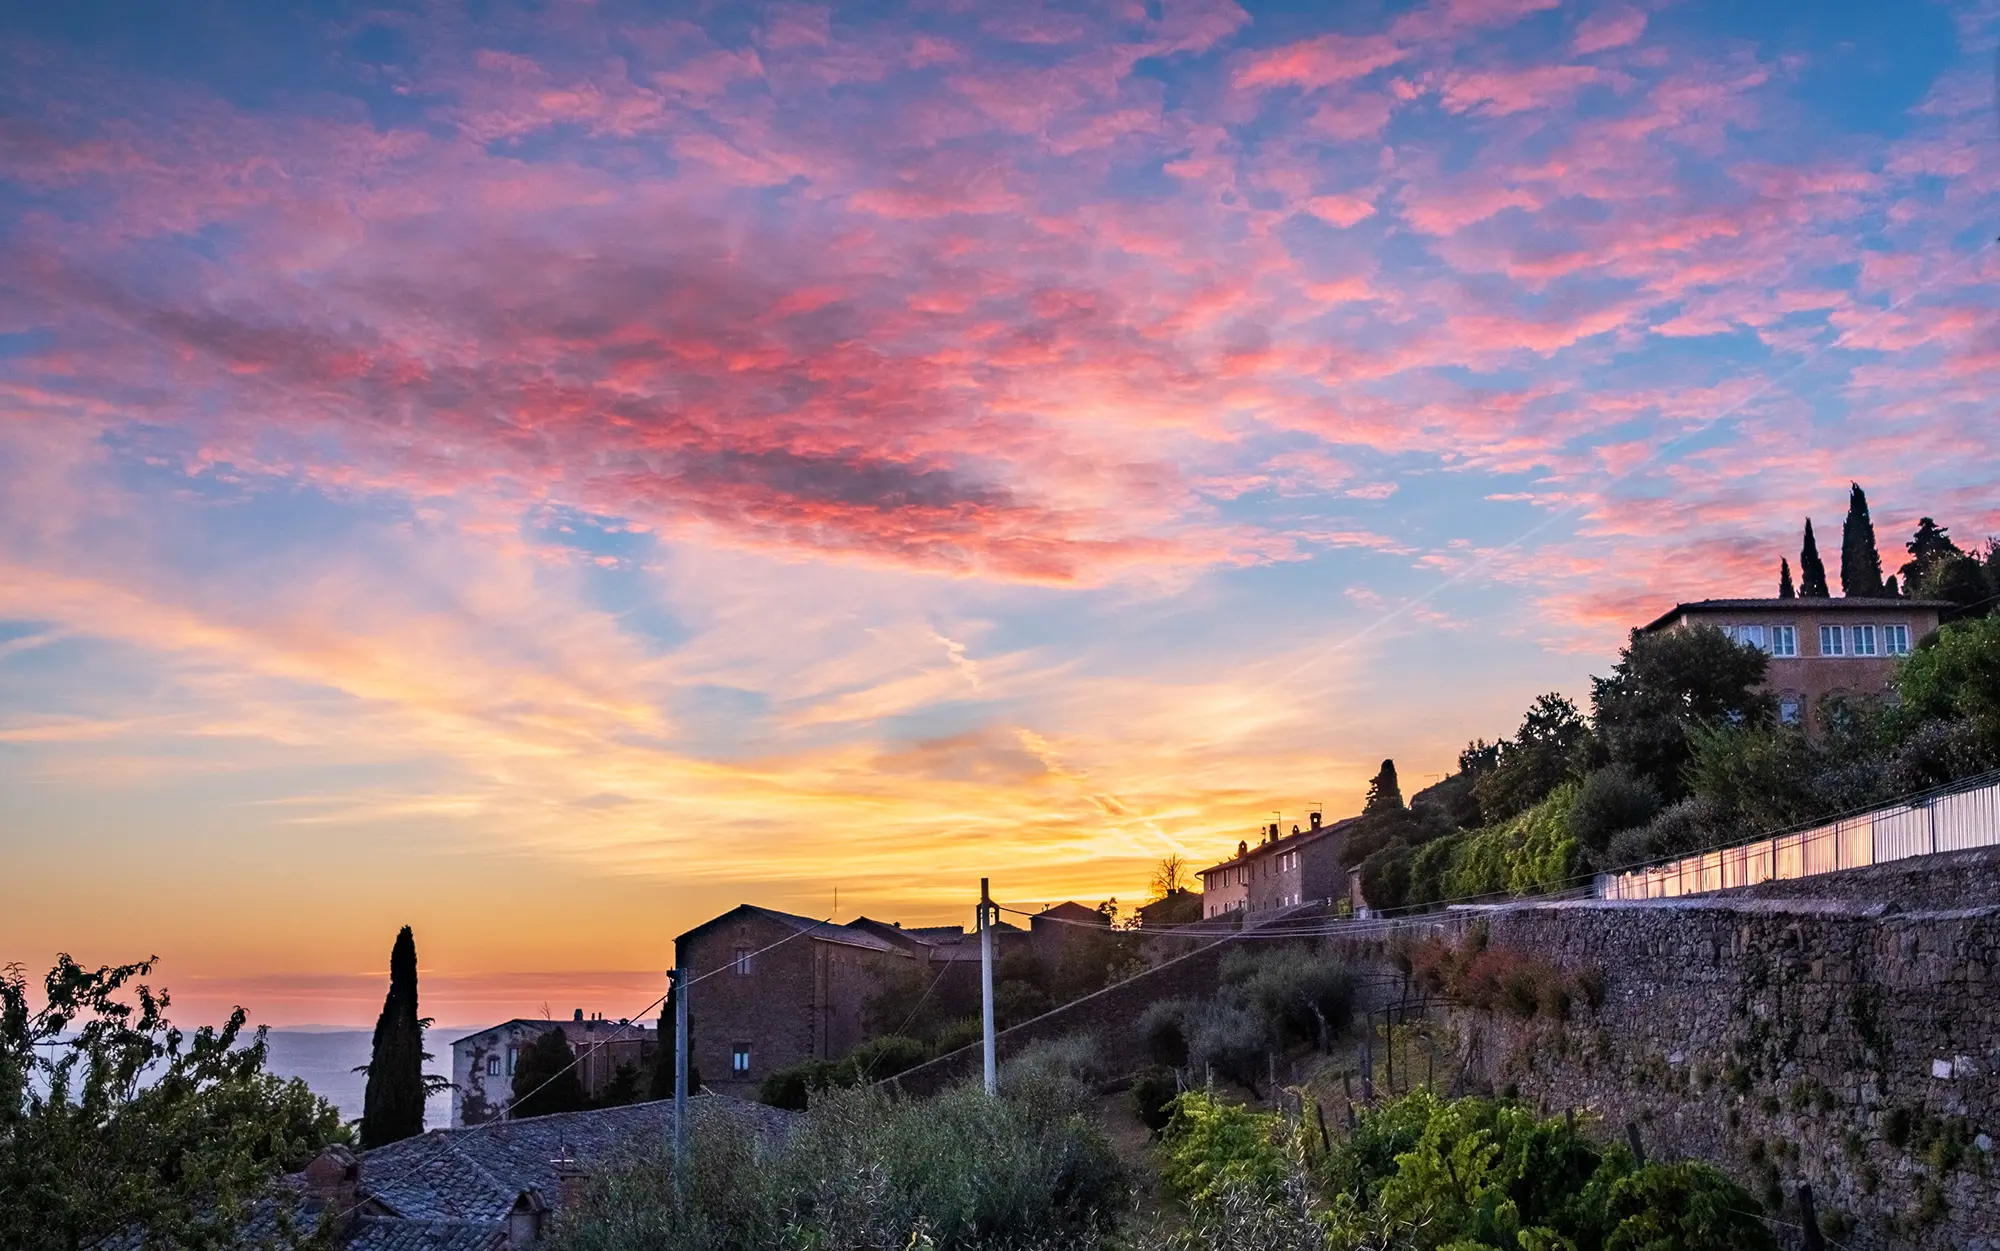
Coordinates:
column 1285, row 843
column 578, row 1029
column 1800, row 604
column 818, row 930
column 477, row 1172
column 384, row 1233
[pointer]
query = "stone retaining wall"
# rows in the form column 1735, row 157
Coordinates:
column 1830, row 1040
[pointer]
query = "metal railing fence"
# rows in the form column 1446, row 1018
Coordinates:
column 1951, row 821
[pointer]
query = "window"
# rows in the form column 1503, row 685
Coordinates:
column 1830, row 641
column 1753, row 635
column 512, row 1054
column 1896, row 640
column 739, row 1059
column 740, row 961
column 1789, row 708
column 1784, row 640
column 492, row 1066
column 1864, row 640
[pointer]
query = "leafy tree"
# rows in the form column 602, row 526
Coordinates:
column 545, row 1079
column 392, row 1105
column 1785, row 590
column 1611, row 799
column 1860, row 563
column 1960, row 580
column 1929, row 545
column 114, row 1122
column 1535, row 761
column 1384, row 794
column 1812, row 571
column 1955, row 675
column 1665, row 684
column 1385, row 877
column 1478, row 757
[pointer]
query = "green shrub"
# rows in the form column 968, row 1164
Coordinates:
column 1611, row 799
column 882, row 1058
column 1154, row 1090
column 1227, row 1039
column 1213, row 1146
column 1163, row 1029
column 1298, row 996
column 1544, row 854
column 863, row 1171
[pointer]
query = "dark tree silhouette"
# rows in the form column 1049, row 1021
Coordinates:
column 1785, row 590
column 392, row 1105
column 1384, row 793
column 1812, row 571
column 1860, row 563
column 545, row 1079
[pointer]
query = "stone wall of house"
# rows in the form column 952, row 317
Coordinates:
column 1846, row 1039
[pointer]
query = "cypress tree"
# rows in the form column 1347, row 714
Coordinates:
column 1860, row 563
column 1384, row 794
column 1785, row 590
column 392, row 1107
column 1812, row 573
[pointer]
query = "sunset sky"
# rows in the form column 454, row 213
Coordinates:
column 549, row 473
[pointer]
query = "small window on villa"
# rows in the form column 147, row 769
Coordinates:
column 1789, row 708
column 739, row 1059
column 1784, row 640
column 1864, row 640
column 740, row 961
column 492, row 1066
column 512, row 1053
column 1830, row 641
column 1896, row 640
column 1751, row 634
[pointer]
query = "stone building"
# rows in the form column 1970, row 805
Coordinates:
column 786, row 989
column 1818, row 647
column 482, row 1064
column 1282, row 871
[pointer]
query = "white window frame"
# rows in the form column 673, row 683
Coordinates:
column 1835, row 635
column 741, row 961
column 1784, row 641
column 739, row 1059
column 1797, row 707
column 513, row 1054
column 1867, row 633
column 1896, row 640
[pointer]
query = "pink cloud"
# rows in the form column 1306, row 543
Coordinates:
column 1613, row 26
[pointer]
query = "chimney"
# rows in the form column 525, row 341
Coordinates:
column 1295, row 827
column 579, row 1014
column 1242, row 848
column 333, row 1185
column 526, row 1220
column 1315, row 820
column 569, row 1179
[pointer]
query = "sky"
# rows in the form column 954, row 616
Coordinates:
column 548, row 473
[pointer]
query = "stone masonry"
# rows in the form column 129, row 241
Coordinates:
column 1835, row 1040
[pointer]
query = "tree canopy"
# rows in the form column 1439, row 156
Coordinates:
column 113, row 1121
column 545, row 1079
column 1665, row 684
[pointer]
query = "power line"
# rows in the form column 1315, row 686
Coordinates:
column 449, row 1141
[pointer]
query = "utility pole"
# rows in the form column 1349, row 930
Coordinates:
column 677, row 982
column 986, row 985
